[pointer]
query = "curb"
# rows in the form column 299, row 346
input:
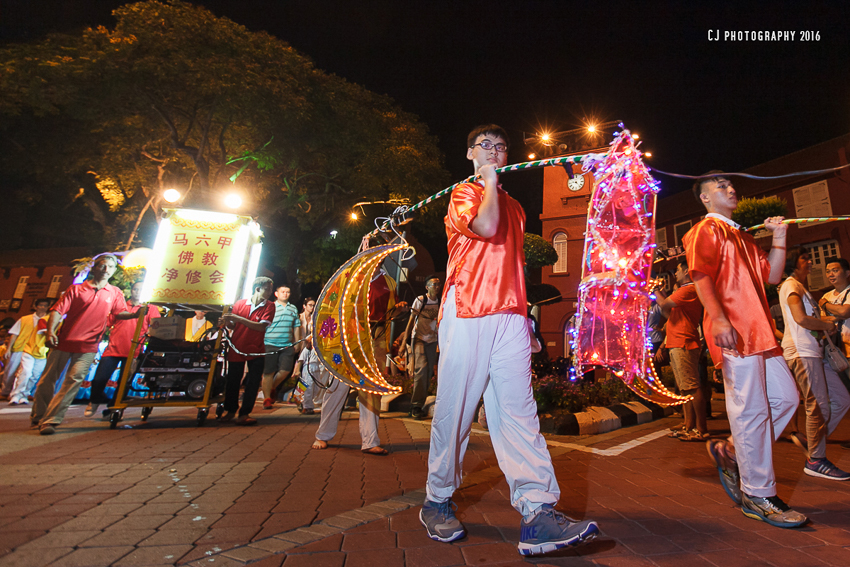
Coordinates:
column 597, row 420
column 592, row 421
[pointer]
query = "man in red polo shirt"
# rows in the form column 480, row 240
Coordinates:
column 248, row 319
column 120, row 339
column 85, row 308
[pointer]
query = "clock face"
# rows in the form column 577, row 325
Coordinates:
column 576, row 183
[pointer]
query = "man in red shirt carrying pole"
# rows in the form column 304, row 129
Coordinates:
column 729, row 271
column 248, row 319
column 485, row 347
column 86, row 307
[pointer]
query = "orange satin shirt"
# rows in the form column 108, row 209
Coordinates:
column 487, row 272
column 738, row 268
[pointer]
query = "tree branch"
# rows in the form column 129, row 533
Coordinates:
column 205, row 135
column 191, row 123
column 222, row 150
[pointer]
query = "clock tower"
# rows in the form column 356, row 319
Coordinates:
column 564, row 219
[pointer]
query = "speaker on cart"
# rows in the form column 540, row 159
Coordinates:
column 196, row 388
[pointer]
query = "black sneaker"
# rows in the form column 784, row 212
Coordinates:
column 417, row 414
column 440, row 521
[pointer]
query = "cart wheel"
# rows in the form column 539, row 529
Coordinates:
column 202, row 416
column 219, row 410
column 146, row 412
column 114, row 418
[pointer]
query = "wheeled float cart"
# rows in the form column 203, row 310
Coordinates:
column 201, row 261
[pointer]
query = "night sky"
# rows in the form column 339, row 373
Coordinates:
column 530, row 65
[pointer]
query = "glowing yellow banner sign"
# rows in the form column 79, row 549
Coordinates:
column 201, row 257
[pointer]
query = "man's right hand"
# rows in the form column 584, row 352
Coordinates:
column 52, row 339
column 488, row 173
column 725, row 336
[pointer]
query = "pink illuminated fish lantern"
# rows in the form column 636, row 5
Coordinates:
column 614, row 294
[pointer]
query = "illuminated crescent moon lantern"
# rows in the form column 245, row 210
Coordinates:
column 341, row 332
column 613, row 293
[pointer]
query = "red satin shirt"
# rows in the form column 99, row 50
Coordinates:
column 738, row 268
column 487, row 272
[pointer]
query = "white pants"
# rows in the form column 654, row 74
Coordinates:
column 761, row 397
column 9, row 373
column 335, row 397
column 307, row 399
column 31, row 369
column 489, row 355
column 825, row 398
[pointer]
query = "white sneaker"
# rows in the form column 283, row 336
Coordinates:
column 91, row 409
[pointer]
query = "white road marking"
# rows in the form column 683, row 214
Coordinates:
column 613, row 451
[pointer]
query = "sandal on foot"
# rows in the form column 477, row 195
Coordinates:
column 676, row 432
column 695, row 436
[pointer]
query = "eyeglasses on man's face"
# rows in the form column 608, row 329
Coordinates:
column 487, row 145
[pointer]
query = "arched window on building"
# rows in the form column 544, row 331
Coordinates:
column 559, row 243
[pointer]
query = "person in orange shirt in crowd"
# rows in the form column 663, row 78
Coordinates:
column 729, row 271
column 120, row 339
column 684, row 313
column 485, row 348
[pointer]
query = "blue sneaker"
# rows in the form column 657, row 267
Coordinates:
column 549, row 530
column 771, row 510
column 440, row 521
column 730, row 479
column 823, row 468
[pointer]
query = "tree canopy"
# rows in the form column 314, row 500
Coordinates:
column 94, row 126
column 538, row 252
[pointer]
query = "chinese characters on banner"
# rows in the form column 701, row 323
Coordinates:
column 196, row 258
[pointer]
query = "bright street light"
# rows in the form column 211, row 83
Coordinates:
column 354, row 216
column 233, row 200
column 532, row 156
column 591, row 128
column 334, row 233
column 171, row 195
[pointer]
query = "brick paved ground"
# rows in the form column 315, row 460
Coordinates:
column 169, row 493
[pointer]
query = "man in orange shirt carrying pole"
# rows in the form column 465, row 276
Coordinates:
column 729, row 271
column 485, row 347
